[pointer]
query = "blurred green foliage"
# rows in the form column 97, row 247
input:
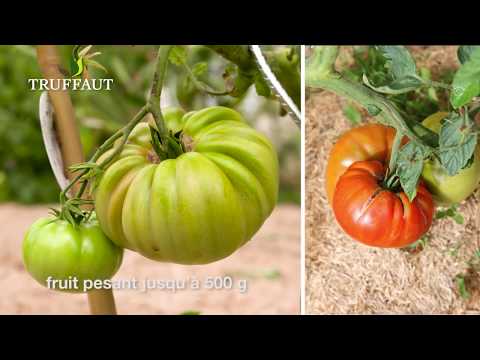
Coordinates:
column 25, row 174
column 24, row 165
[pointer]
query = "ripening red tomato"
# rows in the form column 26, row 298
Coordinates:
column 375, row 215
column 367, row 142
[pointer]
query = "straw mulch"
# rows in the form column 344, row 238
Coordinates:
column 346, row 277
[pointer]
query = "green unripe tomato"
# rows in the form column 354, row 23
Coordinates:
column 57, row 250
column 199, row 207
column 447, row 190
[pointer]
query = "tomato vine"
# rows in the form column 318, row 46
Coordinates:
column 71, row 206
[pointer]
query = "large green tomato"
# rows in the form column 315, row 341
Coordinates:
column 446, row 189
column 57, row 250
column 199, row 207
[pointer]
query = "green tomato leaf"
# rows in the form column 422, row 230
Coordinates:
column 352, row 114
column 456, row 142
column 399, row 61
column 401, row 71
column 396, row 87
column 425, row 73
column 461, row 286
column 79, row 66
column 420, row 244
column 466, row 82
column 261, row 86
column 199, row 69
column 458, row 218
column 178, row 55
column 409, row 167
column 451, row 212
column 241, row 84
column 95, row 64
column 230, row 70
column 464, row 52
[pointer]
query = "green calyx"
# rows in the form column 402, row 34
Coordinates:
column 168, row 147
column 71, row 210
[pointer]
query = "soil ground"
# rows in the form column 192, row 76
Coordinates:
column 346, row 277
column 269, row 265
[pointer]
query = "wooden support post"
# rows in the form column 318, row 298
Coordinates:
column 101, row 302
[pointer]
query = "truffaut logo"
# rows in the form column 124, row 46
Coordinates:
column 80, row 62
column 72, row 84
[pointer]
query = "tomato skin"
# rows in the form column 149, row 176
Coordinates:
column 448, row 190
column 199, row 207
column 56, row 248
column 366, row 142
column 376, row 216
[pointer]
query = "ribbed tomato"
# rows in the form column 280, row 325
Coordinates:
column 376, row 216
column 367, row 142
column 199, row 207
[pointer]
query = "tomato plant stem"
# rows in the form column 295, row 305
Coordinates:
column 156, row 90
column 397, row 142
column 320, row 73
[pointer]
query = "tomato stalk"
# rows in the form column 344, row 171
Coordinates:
column 156, row 90
column 164, row 143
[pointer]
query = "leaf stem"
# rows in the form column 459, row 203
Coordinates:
column 202, row 86
column 125, row 132
column 432, row 83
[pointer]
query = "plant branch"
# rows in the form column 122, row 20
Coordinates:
column 388, row 113
column 156, row 90
column 125, row 132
